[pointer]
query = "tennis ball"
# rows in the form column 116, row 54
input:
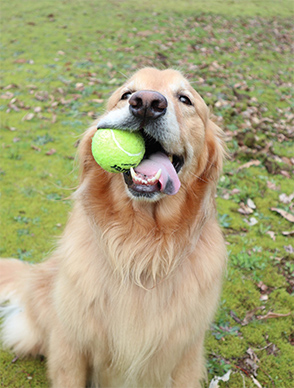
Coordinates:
column 117, row 150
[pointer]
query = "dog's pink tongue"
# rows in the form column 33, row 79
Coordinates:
column 169, row 180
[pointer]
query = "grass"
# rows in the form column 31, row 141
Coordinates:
column 61, row 61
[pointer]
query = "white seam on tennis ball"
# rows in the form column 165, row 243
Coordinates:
column 120, row 147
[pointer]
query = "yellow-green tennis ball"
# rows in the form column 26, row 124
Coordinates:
column 117, row 150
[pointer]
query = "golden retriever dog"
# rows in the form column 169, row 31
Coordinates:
column 133, row 285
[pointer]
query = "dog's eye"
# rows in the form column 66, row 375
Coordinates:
column 185, row 100
column 126, row 95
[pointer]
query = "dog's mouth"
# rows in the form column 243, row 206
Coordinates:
column 157, row 172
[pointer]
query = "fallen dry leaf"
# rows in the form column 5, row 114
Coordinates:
column 250, row 203
column 286, row 198
column 272, row 186
column 10, row 86
column 271, row 234
column 285, row 159
column 270, row 314
column 252, row 365
column 290, row 233
column 28, row 117
column 51, row 152
column 245, row 209
column 65, row 102
column 250, row 314
column 216, row 379
column 20, row 60
column 35, row 148
column 80, row 86
column 263, row 287
column 42, row 96
column 252, row 355
column 256, row 382
column 249, row 164
column 289, row 249
column 7, row 96
column 30, row 86
column 234, row 316
column 253, row 361
column 288, row 216
column 285, row 174
column 54, row 118
column 252, row 221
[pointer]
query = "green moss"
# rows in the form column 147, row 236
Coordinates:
column 281, row 300
column 20, row 373
column 283, row 149
column 272, row 279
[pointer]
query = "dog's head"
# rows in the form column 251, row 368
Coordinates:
column 182, row 143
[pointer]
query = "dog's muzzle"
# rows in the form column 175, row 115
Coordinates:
column 158, row 171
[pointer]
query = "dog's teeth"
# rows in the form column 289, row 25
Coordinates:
column 170, row 158
column 148, row 181
column 133, row 173
column 157, row 176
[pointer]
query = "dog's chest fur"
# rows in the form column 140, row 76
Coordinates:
column 131, row 330
column 145, row 329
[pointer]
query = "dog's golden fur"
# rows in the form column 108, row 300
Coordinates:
column 127, row 296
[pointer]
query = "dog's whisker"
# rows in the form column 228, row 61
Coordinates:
column 213, row 164
column 198, row 177
column 124, row 75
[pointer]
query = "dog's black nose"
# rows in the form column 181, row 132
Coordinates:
column 148, row 104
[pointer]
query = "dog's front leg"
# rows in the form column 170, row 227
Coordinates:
column 191, row 369
column 67, row 367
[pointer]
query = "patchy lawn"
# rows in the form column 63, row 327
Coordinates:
column 60, row 62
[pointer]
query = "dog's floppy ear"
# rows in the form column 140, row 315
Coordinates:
column 85, row 156
column 214, row 141
column 216, row 151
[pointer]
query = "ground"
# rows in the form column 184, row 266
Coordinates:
column 61, row 61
